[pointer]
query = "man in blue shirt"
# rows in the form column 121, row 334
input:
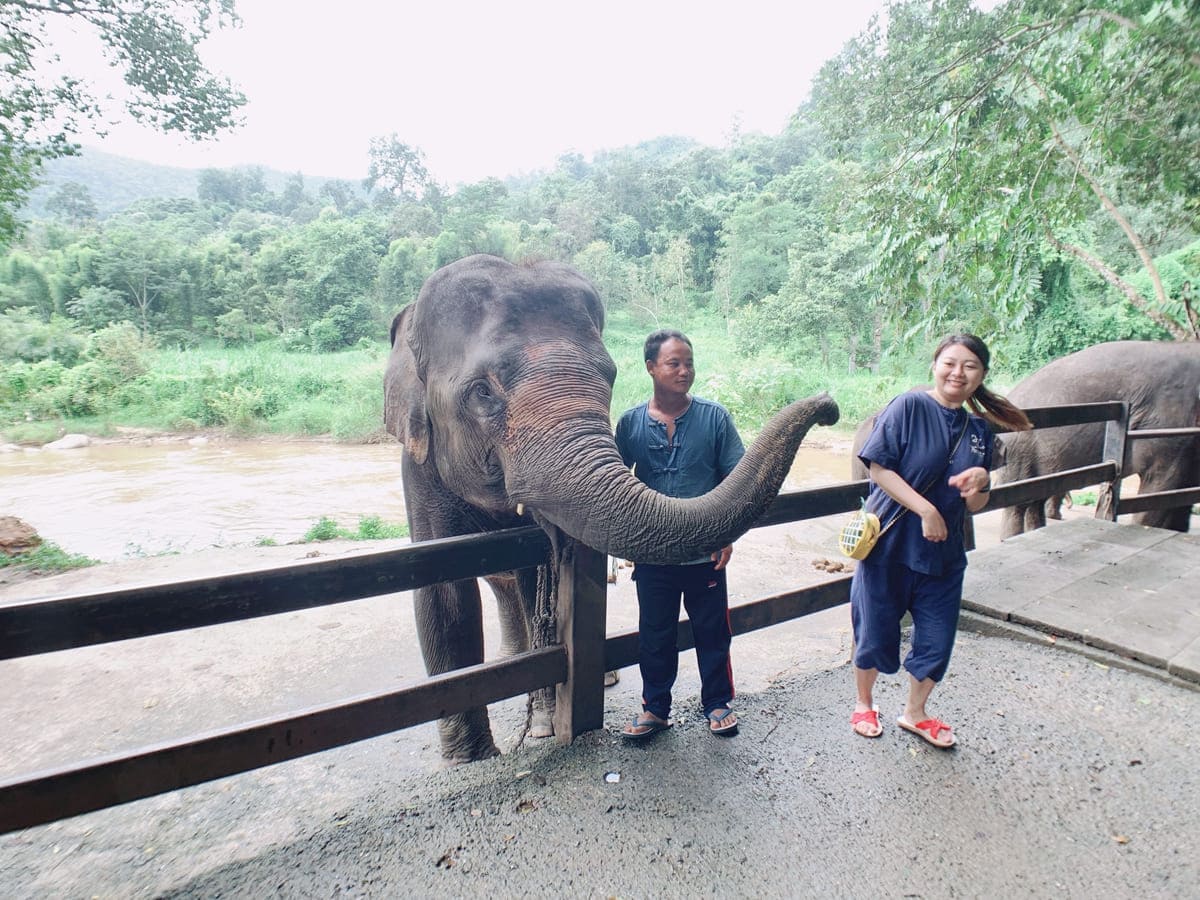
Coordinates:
column 681, row 446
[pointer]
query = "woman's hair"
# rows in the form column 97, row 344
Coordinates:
column 657, row 339
column 991, row 406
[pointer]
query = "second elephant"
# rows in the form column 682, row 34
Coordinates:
column 1161, row 383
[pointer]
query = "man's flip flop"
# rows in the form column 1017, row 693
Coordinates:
column 929, row 729
column 652, row 725
column 871, row 717
column 717, row 716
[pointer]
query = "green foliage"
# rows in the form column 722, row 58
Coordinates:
column 98, row 306
column 992, row 136
column 345, row 324
column 24, row 337
column 73, row 202
column 931, row 185
column 43, row 102
column 396, row 170
column 46, row 558
column 370, row 528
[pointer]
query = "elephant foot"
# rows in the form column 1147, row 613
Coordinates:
column 611, row 678
column 453, row 760
column 541, row 724
column 466, row 737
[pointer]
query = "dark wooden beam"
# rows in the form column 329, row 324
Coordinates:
column 43, row 797
column 79, row 620
column 1159, row 500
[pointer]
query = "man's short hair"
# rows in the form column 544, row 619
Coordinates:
column 657, row 339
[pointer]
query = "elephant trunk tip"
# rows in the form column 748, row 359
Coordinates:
column 828, row 412
column 823, row 407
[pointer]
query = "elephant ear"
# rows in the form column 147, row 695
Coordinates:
column 404, row 412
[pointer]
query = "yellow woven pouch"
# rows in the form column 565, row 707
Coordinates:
column 858, row 536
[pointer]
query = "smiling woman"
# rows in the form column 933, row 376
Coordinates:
column 929, row 457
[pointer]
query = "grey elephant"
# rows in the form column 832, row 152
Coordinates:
column 498, row 386
column 1160, row 381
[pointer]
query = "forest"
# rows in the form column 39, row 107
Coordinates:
column 1029, row 173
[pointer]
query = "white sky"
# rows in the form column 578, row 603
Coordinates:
column 498, row 88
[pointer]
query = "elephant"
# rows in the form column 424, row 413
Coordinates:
column 498, row 386
column 1161, row 383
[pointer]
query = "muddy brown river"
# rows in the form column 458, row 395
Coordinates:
column 117, row 501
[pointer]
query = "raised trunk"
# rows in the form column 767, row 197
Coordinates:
column 590, row 494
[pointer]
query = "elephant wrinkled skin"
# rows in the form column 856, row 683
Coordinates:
column 1161, row 383
column 498, row 386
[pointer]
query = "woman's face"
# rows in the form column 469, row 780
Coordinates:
column 957, row 373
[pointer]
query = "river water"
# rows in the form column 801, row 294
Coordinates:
column 116, row 501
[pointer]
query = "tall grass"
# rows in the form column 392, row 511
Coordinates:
column 266, row 389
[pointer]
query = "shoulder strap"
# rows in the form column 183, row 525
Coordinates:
column 934, row 480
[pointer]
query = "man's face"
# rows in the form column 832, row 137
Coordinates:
column 674, row 370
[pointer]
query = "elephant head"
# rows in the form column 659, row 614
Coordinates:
column 499, row 387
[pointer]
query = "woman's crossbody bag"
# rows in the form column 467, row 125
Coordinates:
column 861, row 533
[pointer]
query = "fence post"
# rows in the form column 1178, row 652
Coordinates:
column 1116, row 447
column 582, row 613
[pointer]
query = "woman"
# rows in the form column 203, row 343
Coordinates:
column 929, row 461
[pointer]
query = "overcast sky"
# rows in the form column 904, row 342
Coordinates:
column 501, row 88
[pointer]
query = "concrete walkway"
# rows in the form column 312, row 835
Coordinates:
column 1127, row 589
column 1075, row 773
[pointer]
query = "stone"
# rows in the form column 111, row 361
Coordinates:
column 16, row 536
column 69, row 442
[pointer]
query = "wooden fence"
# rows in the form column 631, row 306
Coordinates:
column 575, row 665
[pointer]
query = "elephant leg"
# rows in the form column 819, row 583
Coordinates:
column 1054, row 505
column 514, row 621
column 1035, row 516
column 1012, row 521
column 450, row 626
column 1173, row 465
column 516, row 598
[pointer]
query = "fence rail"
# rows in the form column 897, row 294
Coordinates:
column 574, row 665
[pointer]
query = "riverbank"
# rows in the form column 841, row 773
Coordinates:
column 143, row 493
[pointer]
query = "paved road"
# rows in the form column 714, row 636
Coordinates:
column 1073, row 778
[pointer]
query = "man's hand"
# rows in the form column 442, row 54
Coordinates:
column 721, row 557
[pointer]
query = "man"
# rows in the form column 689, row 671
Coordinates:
column 682, row 446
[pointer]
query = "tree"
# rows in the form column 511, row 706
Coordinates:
column 993, row 136
column 395, row 169
column 142, row 264
column 44, row 102
column 73, row 202
column 344, row 196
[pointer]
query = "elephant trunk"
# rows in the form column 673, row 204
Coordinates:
column 592, row 496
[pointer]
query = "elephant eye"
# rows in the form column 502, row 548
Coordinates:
column 482, row 400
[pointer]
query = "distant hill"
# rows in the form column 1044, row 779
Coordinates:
column 116, row 182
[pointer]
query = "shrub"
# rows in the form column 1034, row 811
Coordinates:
column 370, row 528
column 24, row 337
column 123, row 348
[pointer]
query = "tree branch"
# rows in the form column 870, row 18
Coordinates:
column 1098, row 266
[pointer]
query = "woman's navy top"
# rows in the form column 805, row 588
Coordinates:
column 913, row 437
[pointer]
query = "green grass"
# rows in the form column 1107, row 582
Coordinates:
column 265, row 389
column 370, row 528
column 46, row 559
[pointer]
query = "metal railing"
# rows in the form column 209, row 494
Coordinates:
column 575, row 665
